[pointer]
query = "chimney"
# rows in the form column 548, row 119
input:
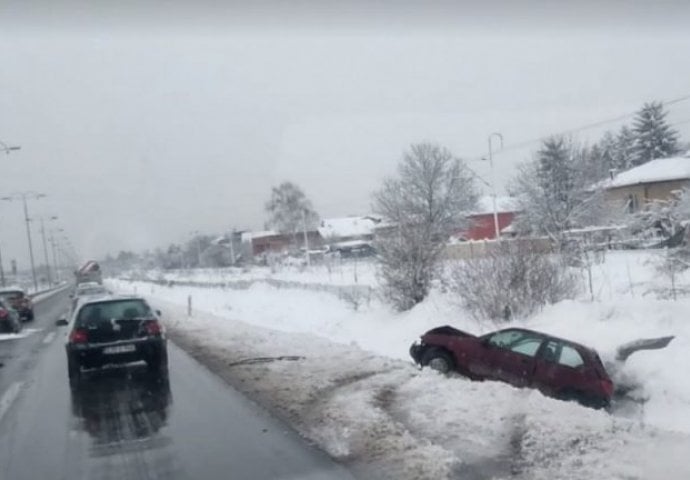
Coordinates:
column 612, row 172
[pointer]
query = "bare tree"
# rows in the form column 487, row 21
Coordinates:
column 513, row 280
column 289, row 210
column 428, row 199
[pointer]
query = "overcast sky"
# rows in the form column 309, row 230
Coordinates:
column 142, row 124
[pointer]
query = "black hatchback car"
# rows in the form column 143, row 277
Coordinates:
column 112, row 331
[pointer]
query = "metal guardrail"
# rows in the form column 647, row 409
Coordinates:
column 56, row 289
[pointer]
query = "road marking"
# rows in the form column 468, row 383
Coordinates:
column 9, row 397
column 49, row 338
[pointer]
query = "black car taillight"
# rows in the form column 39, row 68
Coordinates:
column 153, row 327
column 79, row 335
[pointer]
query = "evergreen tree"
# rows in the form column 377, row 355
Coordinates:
column 556, row 189
column 654, row 138
column 625, row 149
column 555, row 172
column 610, row 153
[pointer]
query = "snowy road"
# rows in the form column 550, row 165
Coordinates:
column 122, row 424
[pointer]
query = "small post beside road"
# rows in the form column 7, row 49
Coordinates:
column 189, row 305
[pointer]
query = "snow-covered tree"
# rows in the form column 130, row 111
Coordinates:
column 424, row 203
column 556, row 190
column 626, row 141
column 654, row 138
column 592, row 164
column 289, row 209
column 512, row 280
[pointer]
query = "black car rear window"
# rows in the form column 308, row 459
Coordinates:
column 94, row 313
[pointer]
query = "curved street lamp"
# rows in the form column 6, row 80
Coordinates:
column 23, row 196
column 8, row 148
column 42, row 220
column 498, row 136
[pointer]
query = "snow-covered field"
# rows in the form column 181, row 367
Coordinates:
column 346, row 382
column 331, row 272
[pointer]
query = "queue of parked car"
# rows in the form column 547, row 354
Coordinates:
column 16, row 307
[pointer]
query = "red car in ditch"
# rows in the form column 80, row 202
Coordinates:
column 524, row 358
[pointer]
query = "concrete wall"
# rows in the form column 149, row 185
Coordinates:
column 464, row 250
column 644, row 193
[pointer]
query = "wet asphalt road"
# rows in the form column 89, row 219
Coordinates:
column 125, row 424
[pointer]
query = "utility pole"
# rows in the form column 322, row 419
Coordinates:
column 306, row 237
column 45, row 249
column 198, row 252
column 24, row 196
column 232, row 248
column 31, row 248
column 2, row 272
column 55, row 263
column 497, row 231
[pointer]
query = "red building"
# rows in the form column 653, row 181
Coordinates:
column 258, row 243
column 482, row 220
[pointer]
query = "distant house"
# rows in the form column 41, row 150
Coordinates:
column 270, row 241
column 258, row 243
column 223, row 251
column 482, row 226
column 655, row 180
column 349, row 234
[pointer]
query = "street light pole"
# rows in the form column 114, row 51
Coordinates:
column 497, row 231
column 45, row 248
column 55, row 263
column 196, row 238
column 2, row 271
column 306, row 237
column 31, row 248
column 9, row 148
column 23, row 196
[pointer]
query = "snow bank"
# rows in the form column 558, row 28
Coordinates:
column 357, row 394
column 334, row 272
column 385, row 419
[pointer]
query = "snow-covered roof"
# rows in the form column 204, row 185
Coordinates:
column 248, row 236
column 348, row 226
column 503, row 204
column 659, row 170
column 350, row 244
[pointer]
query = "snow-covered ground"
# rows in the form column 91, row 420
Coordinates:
column 331, row 272
column 346, row 382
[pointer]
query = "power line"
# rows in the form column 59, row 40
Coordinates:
column 525, row 143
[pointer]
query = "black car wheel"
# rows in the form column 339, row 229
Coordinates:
column 438, row 360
